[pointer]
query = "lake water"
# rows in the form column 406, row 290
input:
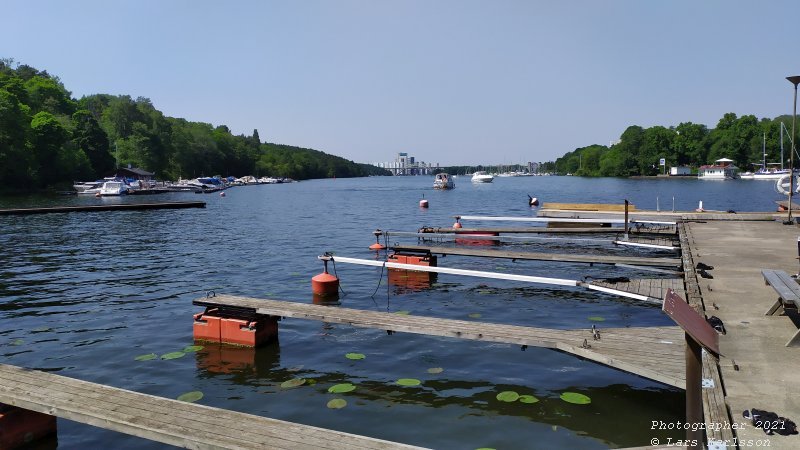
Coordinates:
column 83, row 294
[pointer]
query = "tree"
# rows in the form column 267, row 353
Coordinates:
column 89, row 137
column 48, row 136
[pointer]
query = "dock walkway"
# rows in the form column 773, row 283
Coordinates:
column 757, row 370
column 651, row 352
column 173, row 422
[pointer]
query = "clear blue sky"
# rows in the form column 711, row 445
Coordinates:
column 449, row 81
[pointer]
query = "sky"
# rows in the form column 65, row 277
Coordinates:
column 454, row 82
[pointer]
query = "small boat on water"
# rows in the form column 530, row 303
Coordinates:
column 113, row 188
column 481, row 177
column 443, row 181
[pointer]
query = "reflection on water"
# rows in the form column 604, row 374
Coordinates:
column 83, row 294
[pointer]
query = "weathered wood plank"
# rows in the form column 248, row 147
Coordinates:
column 715, row 410
column 631, row 349
column 580, row 258
column 169, row 421
column 651, row 287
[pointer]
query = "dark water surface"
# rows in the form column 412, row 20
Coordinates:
column 83, row 294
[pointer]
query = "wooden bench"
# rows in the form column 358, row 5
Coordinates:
column 788, row 295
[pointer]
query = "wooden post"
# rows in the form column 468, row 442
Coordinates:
column 694, row 396
column 626, row 219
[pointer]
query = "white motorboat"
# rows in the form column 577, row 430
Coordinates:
column 113, row 188
column 443, row 181
column 481, row 177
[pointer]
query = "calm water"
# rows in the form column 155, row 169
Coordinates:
column 83, row 294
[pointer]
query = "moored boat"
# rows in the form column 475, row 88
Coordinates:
column 113, row 188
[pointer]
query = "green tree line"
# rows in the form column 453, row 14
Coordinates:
column 639, row 150
column 48, row 138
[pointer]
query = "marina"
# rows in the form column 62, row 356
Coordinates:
column 473, row 330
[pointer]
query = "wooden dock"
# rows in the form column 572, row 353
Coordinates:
column 650, row 287
column 650, row 352
column 544, row 230
column 559, row 257
column 173, row 422
column 92, row 208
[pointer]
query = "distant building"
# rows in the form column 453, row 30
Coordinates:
column 407, row 165
column 134, row 173
column 679, row 171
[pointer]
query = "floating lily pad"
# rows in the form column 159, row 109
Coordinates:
column 484, row 291
column 475, row 315
column 146, row 357
column 528, row 399
column 341, row 388
column 192, row 348
column 597, row 319
column 293, row 383
column 173, row 355
column 435, row 370
column 508, row 396
column 41, row 329
column 402, row 313
column 576, row 398
column 191, row 397
column 355, row 356
column 337, row 403
column 408, row 382
column 17, row 342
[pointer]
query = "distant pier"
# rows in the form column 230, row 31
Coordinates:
column 92, row 208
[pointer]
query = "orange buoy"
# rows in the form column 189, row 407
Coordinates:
column 377, row 245
column 325, row 284
column 222, row 194
column 457, row 224
column 423, row 203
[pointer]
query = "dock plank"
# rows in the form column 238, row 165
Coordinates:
column 164, row 420
column 651, row 352
column 651, row 287
column 538, row 256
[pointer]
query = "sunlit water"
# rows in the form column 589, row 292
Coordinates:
column 83, row 294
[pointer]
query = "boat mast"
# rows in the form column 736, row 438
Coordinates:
column 781, row 145
column 764, row 153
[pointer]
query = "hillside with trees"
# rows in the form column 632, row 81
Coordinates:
column 47, row 138
column 639, row 149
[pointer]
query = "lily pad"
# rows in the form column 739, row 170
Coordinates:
column 355, row 356
column 576, row 398
column 528, row 399
column 192, row 348
column 408, row 382
column 435, row 370
column 341, row 388
column 191, row 397
column 173, row 355
column 337, row 403
column 402, row 313
column 293, row 383
column 475, row 315
column 508, row 396
column 41, row 329
column 17, row 342
column 597, row 319
column 146, row 357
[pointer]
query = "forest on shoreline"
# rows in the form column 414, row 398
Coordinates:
column 49, row 138
column 639, row 150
